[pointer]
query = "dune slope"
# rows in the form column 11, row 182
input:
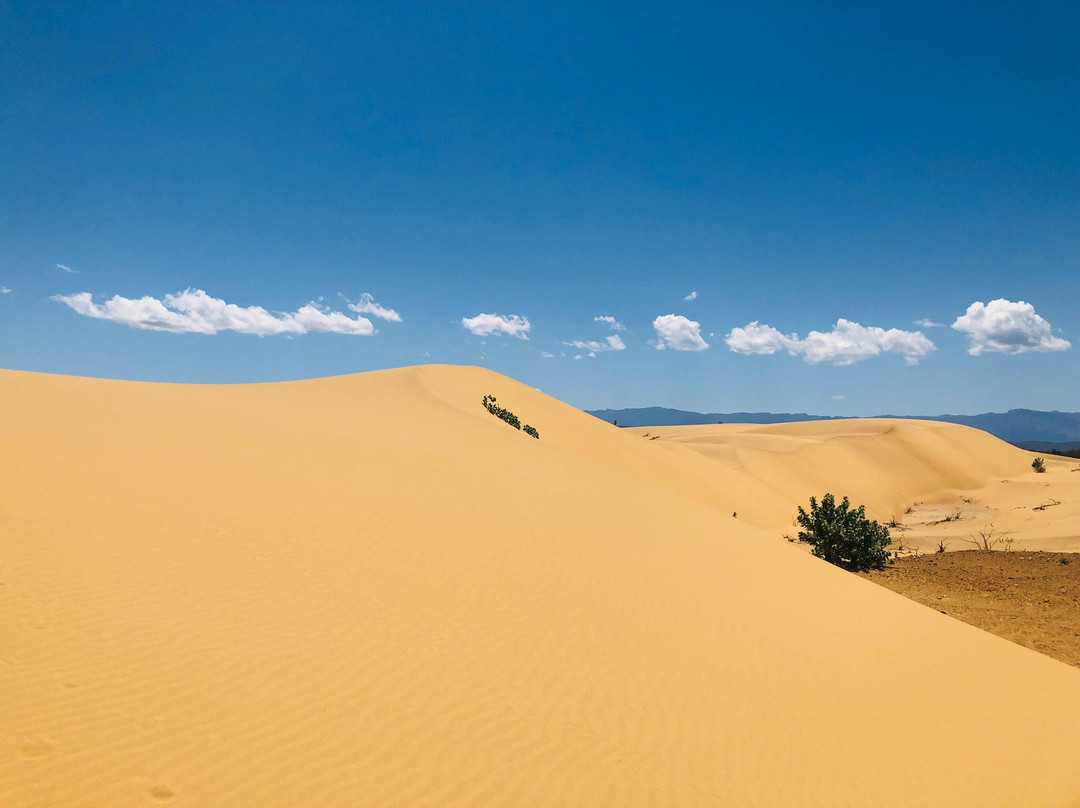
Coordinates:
column 940, row 482
column 368, row 591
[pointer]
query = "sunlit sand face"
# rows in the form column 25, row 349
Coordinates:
column 369, row 591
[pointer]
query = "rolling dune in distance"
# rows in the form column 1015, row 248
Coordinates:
column 938, row 481
column 366, row 590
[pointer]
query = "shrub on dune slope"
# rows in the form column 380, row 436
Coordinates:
column 844, row 536
column 492, row 406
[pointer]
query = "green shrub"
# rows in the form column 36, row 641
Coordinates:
column 492, row 406
column 843, row 536
column 501, row 412
column 1039, row 465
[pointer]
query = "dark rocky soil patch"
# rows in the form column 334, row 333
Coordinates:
column 1030, row 598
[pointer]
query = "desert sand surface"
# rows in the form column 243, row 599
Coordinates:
column 367, row 591
column 932, row 482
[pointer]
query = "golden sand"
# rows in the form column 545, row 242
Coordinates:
column 367, row 591
column 937, row 482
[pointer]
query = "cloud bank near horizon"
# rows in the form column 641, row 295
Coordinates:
column 592, row 347
column 486, row 325
column 193, row 311
column 847, row 343
column 998, row 326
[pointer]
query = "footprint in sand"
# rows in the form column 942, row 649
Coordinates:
column 36, row 749
column 161, row 793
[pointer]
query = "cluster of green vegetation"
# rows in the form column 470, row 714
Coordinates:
column 1039, row 465
column 492, row 406
column 1065, row 452
column 844, row 536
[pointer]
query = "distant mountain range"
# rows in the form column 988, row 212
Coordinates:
column 1030, row 429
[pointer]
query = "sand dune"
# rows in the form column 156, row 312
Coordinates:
column 940, row 482
column 368, row 591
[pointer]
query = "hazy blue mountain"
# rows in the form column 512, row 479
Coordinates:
column 1038, row 430
column 1019, row 426
column 662, row 416
column 1050, row 446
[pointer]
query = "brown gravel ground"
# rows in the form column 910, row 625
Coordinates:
column 1030, row 598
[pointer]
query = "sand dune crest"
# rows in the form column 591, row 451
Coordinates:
column 367, row 591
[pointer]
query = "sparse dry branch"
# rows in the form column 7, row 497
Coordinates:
column 988, row 539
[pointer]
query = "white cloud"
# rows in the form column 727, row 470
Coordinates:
column 4, row 290
column 848, row 342
column 678, row 333
column 837, row 398
column 691, row 296
column 367, row 305
column 1004, row 326
column 67, row 269
column 484, row 325
column 929, row 324
column 614, row 324
column 586, row 345
column 193, row 311
column 592, row 347
column 546, row 355
column 612, row 343
column 755, row 338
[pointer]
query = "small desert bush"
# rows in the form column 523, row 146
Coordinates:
column 990, row 539
column 492, row 406
column 1039, row 465
column 844, row 536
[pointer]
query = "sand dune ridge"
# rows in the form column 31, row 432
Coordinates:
column 367, row 591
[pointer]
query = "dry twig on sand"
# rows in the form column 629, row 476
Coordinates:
column 986, row 540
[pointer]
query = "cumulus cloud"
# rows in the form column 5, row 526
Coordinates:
column 612, row 343
column 691, row 296
column 193, row 311
column 546, row 355
column 67, row 269
column 4, row 290
column 611, row 322
column 848, row 342
column 755, row 338
column 484, row 325
column 678, row 333
column 1004, row 326
column 929, row 324
column 367, row 305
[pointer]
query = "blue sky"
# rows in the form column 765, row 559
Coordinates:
column 199, row 193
